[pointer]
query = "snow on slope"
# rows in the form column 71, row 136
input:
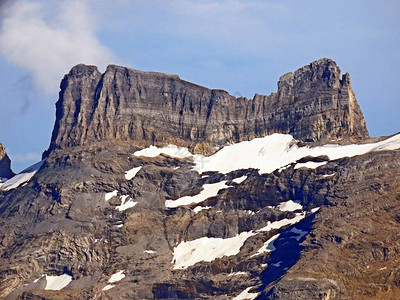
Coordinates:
column 268, row 153
column 246, row 295
column 289, row 206
column 57, row 283
column 189, row 253
column 207, row 249
column 268, row 246
column 209, row 190
column 126, row 204
column 118, row 276
column 132, row 173
column 21, row 178
column 109, row 195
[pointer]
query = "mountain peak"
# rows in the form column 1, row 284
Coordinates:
column 5, row 164
column 124, row 104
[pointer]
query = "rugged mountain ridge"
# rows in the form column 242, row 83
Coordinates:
column 5, row 164
column 109, row 216
column 124, row 104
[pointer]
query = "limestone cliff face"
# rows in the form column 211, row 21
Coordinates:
column 123, row 104
column 5, row 164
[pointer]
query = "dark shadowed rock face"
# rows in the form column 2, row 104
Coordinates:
column 5, row 164
column 123, row 104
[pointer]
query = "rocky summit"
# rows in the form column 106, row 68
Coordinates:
column 123, row 104
column 156, row 188
column 5, row 164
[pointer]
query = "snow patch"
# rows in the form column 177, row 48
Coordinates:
column 109, row 195
column 310, row 165
column 117, row 276
column 149, row 251
column 107, row 287
column 237, row 274
column 281, row 223
column 200, row 208
column 245, row 295
column 209, row 190
column 239, row 179
column 329, row 175
column 132, row 173
column 278, row 264
column 22, row 177
column 300, row 233
column 171, row 150
column 126, row 204
column 268, row 246
column 207, row 249
column 57, row 283
column 289, row 206
column 314, row 210
column 268, row 153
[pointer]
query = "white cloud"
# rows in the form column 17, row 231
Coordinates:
column 239, row 25
column 48, row 39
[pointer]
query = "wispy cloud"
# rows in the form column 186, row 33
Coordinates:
column 47, row 40
column 242, row 26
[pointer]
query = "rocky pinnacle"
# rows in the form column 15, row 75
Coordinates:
column 313, row 103
column 5, row 164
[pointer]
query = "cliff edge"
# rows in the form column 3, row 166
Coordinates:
column 313, row 103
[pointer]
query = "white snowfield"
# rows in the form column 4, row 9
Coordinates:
column 268, row 153
column 310, row 165
column 109, row 195
column 239, row 179
column 113, row 279
column 200, row 208
column 209, row 190
column 268, row 246
column 245, row 295
column 289, row 206
column 284, row 222
column 117, row 276
column 21, row 178
column 57, row 283
column 130, row 174
column 208, row 249
column 126, row 204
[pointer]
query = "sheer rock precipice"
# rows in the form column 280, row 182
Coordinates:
column 123, row 104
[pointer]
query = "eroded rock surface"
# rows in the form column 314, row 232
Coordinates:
column 5, row 164
column 123, row 104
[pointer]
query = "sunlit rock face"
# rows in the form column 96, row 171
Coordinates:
column 123, row 104
column 5, row 164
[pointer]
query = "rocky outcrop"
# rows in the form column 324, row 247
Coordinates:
column 5, row 164
column 123, row 104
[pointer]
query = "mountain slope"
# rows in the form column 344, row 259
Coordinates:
column 114, row 212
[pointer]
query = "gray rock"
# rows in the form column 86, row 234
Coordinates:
column 5, row 164
column 123, row 104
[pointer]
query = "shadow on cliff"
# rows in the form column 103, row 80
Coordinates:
column 287, row 253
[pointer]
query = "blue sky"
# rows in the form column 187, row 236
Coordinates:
column 240, row 46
